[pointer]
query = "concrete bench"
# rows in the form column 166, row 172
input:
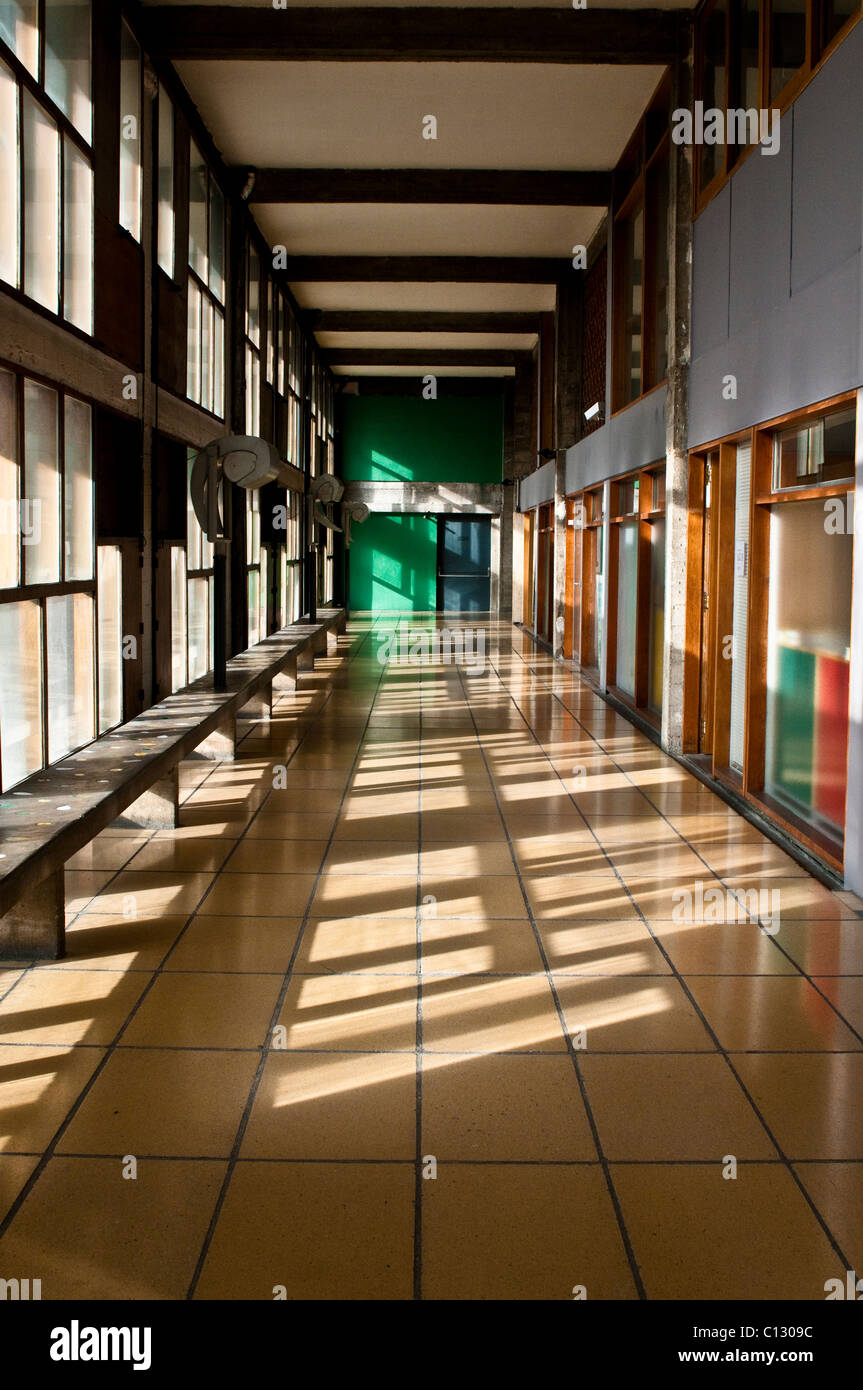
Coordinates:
column 130, row 777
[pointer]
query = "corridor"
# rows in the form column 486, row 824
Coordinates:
column 448, row 987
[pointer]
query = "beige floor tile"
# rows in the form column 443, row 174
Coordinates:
column 625, row 1014
column 369, row 945
column 602, row 948
column 292, row 825
column 726, row 948
column 37, row 1087
column 471, row 1014
column 494, row 1232
column 371, row 1013
column 373, row 857
column 395, row 828
column 361, row 895
column 82, row 885
column 800, row 898
column 320, row 1231
column 259, row 895
column 846, row 996
column 769, row 1013
column 499, row 947
column 206, row 1010
column 667, row 1108
column 514, row 1107
column 837, row 1191
column 145, row 1243
column 250, row 945
column 616, row 832
column 148, row 892
column 277, row 857
column 110, row 941
column 572, row 898
column 69, row 1006
column 823, row 948
column 455, row 827
column 750, row 858
column 335, row 1106
column 808, row 1100
column 187, row 855
column 14, row 1171
column 483, row 897
column 322, row 801
column 483, row 859
column 106, row 854
column 170, row 1104
column 699, row 1236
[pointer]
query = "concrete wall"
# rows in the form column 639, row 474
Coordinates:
column 536, row 487
column 631, row 439
column 777, row 266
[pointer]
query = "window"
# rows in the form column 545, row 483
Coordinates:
column 812, row 455
column 636, row 598
column 640, row 265
column 713, row 89
column 130, row 132
column 165, row 179
column 192, row 597
column 50, row 667
column 253, row 340
column 110, row 619
column 256, row 570
column 205, row 358
column 46, row 178
column 787, row 27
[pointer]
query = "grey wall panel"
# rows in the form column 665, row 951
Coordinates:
column 630, row 440
column 803, row 352
column 828, row 165
column 760, row 233
column 711, row 240
column 536, row 487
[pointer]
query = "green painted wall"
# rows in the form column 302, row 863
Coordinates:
column 394, row 564
column 404, row 438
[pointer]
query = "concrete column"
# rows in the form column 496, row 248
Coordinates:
column 569, row 357
column 676, row 414
column 36, row 926
column 523, row 462
column 159, row 806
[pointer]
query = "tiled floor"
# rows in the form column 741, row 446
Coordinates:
column 465, row 1003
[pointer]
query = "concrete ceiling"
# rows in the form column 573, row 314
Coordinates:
column 315, row 115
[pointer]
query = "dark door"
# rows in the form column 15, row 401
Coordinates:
column 464, row 564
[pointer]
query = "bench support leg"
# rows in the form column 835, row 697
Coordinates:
column 286, row 680
column 159, row 806
column 261, row 705
column 36, row 925
column 221, row 744
column 306, row 658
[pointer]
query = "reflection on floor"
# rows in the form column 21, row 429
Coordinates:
column 447, row 989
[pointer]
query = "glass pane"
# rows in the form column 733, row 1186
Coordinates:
column 787, row 42
column 70, row 673
column 808, row 653
column 20, row 690
column 836, row 13
column 217, row 242
column 67, row 60
column 750, row 84
column 10, row 482
column 253, row 391
column 193, row 347
column 627, row 579
column 838, row 436
column 658, row 176
column 254, row 608
column 632, row 301
column 714, row 90
column 166, row 183
column 9, row 173
column 218, row 362
column 264, row 591
column 178, row 618
column 198, row 179
column 78, row 240
column 657, row 615
column 42, row 206
column 78, row 490
column 253, row 307
column 130, row 133
column 199, row 624
column 271, row 330
column 206, row 396
column 110, row 637
column 40, row 510
column 193, row 529
column 19, row 27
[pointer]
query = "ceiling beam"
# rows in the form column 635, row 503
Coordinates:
column 483, row 270
column 424, row 321
column 424, row 357
column 531, row 187
column 264, row 33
